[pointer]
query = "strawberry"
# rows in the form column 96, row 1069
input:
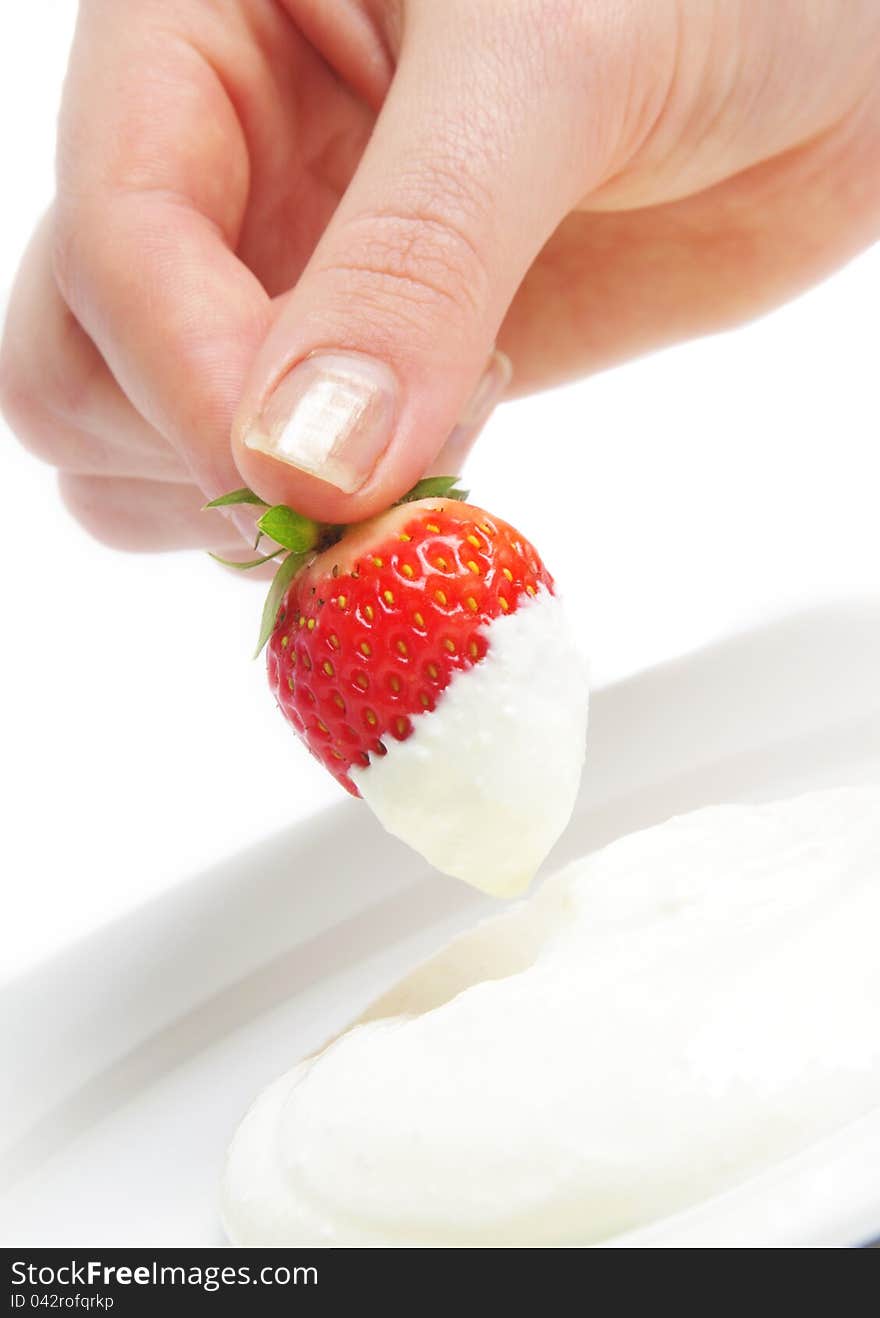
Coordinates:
column 367, row 625
column 424, row 658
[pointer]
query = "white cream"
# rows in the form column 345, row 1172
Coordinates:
column 662, row 1019
column 487, row 781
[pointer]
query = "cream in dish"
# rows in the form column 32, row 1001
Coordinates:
column 662, row 1019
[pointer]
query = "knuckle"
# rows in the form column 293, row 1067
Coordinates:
column 69, row 251
column 50, row 370
column 25, row 411
column 31, row 404
column 414, row 262
column 72, row 369
column 41, row 435
column 47, row 384
column 86, row 499
column 86, row 252
column 611, row 64
column 16, row 399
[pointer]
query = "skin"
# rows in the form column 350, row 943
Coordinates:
column 239, row 184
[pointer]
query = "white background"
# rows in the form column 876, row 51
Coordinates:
column 676, row 499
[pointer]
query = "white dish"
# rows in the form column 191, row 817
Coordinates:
column 136, row 1051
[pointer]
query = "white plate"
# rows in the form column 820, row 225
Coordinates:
column 131, row 1057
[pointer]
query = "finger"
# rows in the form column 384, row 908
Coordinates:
column 59, row 396
column 146, row 516
column 152, row 190
column 370, row 364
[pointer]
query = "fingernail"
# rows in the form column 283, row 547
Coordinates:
column 488, row 392
column 482, row 403
column 331, row 416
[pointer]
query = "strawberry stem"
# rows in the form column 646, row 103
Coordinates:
column 245, row 567
column 434, row 487
column 298, row 536
column 236, row 496
column 290, row 529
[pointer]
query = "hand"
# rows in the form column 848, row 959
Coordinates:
column 306, row 224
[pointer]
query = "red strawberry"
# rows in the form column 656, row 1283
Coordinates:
column 370, row 633
column 367, row 628
column 370, row 630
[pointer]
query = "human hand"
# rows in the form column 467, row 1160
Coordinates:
column 253, row 191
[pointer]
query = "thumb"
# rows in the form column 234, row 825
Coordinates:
column 377, row 353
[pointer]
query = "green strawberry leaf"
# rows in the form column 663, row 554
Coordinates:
column 236, row 496
column 433, row 487
column 283, row 577
column 298, row 536
column 253, row 562
column 290, row 529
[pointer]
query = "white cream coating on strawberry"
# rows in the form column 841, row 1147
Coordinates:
column 660, row 1020
column 487, row 781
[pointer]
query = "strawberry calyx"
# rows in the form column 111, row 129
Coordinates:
column 298, row 539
